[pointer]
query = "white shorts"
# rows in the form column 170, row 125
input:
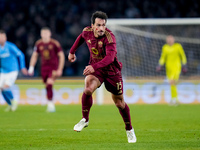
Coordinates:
column 8, row 78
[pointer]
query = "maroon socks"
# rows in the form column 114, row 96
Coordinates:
column 125, row 113
column 49, row 91
column 86, row 105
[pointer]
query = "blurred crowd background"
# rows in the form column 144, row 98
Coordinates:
column 22, row 20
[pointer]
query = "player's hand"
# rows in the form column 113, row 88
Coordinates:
column 184, row 69
column 71, row 57
column 58, row 73
column 24, row 71
column 158, row 68
column 88, row 70
column 31, row 71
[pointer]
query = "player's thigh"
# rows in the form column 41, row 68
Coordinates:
column 50, row 78
column 114, row 84
column 10, row 78
column 2, row 76
column 46, row 74
column 91, row 84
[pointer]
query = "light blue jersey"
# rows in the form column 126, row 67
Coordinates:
column 11, row 58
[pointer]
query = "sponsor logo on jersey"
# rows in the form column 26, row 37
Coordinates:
column 4, row 55
column 46, row 54
column 95, row 51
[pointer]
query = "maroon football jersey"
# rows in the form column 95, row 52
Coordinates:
column 49, row 54
column 103, row 52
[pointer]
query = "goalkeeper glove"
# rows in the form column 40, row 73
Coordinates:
column 184, row 69
column 158, row 68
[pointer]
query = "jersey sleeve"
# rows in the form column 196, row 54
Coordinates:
column 79, row 41
column 162, row 57
column 182, row 54
column 19, row 55
column 36, row 46
column 57, row 45
column 59, row 48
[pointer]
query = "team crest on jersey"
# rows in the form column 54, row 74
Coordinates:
column 41, row 48
column 95, row 51
column 50, row 47
column 89, row 41
column 46, row 54
column 100, row 43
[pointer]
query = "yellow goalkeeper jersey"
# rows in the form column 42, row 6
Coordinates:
column 173, row 57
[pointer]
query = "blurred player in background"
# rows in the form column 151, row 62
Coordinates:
column 52, row 63
column 11, row 61
column 103, row 67
column 173, row 56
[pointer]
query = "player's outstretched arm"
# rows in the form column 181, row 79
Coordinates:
column 71, row 57
column 61, row 57
column 33, row 61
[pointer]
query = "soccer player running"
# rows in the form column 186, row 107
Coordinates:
column 173, row 56
column 103, row 67
column 52, row 62
column 11, row 61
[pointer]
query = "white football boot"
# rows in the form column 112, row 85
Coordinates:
column 14, row 105
column 51, row 107
column 131, row 136
column 8, row 108
column 174, row 102
column 82, row 124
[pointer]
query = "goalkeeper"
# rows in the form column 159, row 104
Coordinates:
column 173, row 56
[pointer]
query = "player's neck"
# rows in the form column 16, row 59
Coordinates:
column 170, row 44
column 46, row 40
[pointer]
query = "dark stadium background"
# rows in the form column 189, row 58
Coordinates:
column 22, row 20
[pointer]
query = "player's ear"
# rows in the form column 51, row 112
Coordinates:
column 92, row 26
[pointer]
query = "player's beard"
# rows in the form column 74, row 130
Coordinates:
column 101, row 33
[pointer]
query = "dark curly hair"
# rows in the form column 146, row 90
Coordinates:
column 98, row 14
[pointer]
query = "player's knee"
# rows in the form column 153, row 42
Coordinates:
column 120, row 104
column 172, row 82
column 50, row 81
column 88, row 91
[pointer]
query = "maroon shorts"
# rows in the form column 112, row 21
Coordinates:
column 113, row 83
column 46, row 74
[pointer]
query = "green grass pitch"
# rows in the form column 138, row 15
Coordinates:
column 156, row 126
